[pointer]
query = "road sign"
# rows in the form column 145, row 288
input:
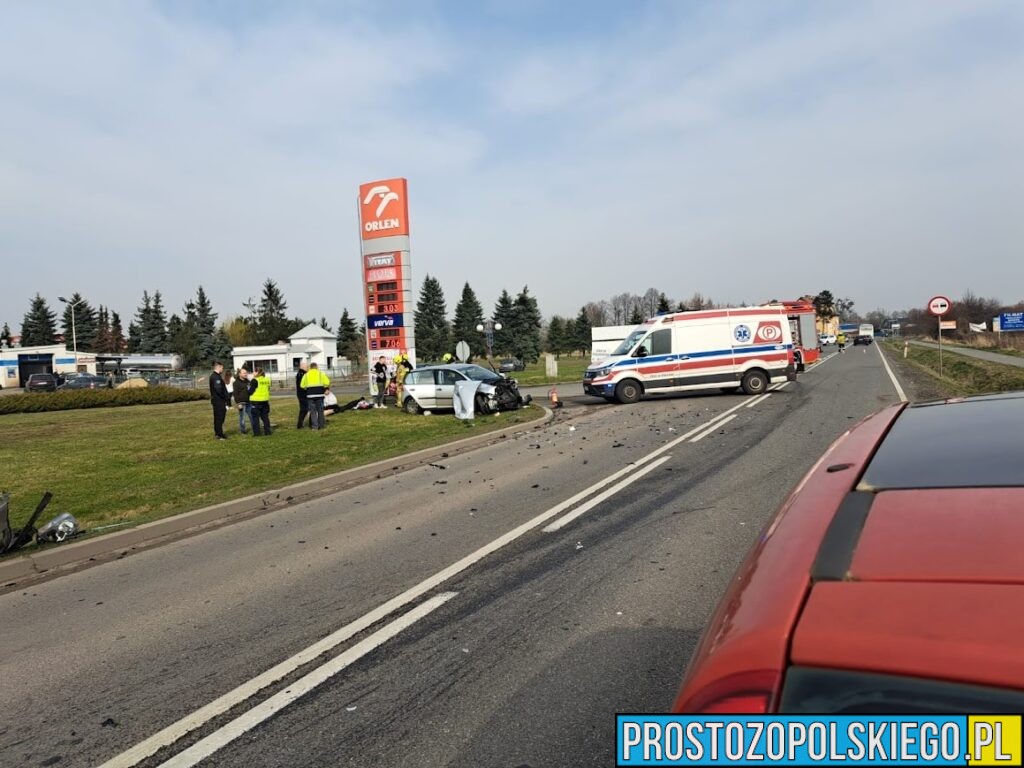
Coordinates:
column 462, row 351
column 1011, row 321
column 938, row 306
column 947, row 325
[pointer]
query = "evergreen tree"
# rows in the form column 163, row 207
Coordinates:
column 182, row 338
column 526, row 325
column 157, row 329
column 267, row 320
column 469, row 313
column 582, row 335
column 351, row 341
column 5, row 336
column 636, row 318
column 569, row 336
column 137, row 341
column 83, row 327
column 433, row 336
column 503, row 313
column 39, row 325
column 117, row 341
column 205, row 328
column 825, row 305
column 323, row 324
column 556, row 336
column 663, row 305
column 101, row 341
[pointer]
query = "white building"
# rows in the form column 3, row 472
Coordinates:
column 312, row 344
column 18, row 363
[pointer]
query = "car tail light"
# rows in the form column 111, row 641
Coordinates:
column 744, row 693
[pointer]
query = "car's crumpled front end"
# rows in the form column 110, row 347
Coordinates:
column 503, row 395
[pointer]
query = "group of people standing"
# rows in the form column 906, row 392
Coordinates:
column 251, row 393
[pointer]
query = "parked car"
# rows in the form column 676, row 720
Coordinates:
column 41, row 382
column 86, row 381
column 863, row 340
column 884, row 583
column 827, row 338
column 433, row 388
column 511, row 364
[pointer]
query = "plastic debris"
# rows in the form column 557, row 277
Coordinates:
column 353, row 708
column 579, row 545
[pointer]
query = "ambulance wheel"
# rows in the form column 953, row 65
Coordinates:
column 754, row 382
column 412, row 407
column 628, row 391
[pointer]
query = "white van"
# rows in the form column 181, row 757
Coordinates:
column 746, row 348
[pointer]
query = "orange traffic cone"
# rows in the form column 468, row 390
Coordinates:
column 553, row 394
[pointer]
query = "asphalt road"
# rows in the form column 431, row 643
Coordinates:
column 980, row 354
column 518, row 656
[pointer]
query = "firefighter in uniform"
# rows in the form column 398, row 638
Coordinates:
column 402, row 367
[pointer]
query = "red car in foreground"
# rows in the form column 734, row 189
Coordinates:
column 891, row 580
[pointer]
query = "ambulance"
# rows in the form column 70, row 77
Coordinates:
column 747, row 348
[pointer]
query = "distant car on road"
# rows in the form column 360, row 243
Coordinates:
column 86, row 381
column 863, row 340
column 883, row 582
column 432, row 387
column 511, row 364
column 41, row 382
column 827, row 338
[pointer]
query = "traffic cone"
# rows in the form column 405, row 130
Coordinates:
column 553, row 394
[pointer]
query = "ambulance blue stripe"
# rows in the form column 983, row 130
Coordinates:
column 714, row 353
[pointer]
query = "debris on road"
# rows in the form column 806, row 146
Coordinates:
column 579, row 545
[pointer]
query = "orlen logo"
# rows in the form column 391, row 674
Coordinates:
column 383, row 209
column 769, row 333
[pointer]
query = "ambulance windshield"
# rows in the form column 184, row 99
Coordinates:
column 630, row 342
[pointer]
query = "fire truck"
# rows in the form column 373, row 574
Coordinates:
column 806, row 347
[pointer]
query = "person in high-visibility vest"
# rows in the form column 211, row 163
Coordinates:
column 402, row 367
column 259, row 401
column 315, row 383
column 447, row 357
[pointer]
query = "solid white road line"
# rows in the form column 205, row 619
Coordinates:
column 712, row 428
column 782, row 385
column 232, row 698
column 899, row 390
column 604, row 496
column 758, row 399
column 246, row 722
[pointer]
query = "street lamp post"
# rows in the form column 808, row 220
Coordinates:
column 74, row 334
column 488, row 327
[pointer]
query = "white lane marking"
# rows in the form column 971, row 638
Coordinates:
column 712, row 428
column 899, row 390
column 822, row 361
column 782, row 385
column 604, row 496
column 232, row 698
column 264, row 711
column 758, row 399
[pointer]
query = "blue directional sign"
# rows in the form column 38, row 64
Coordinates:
column 1011, row 321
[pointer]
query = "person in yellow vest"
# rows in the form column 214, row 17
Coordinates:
column 259, row 402
column 315, row 383
column 402, row 367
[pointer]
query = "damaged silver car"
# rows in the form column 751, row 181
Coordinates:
column 432, row 387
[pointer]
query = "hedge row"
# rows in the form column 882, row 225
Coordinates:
column 41, row 402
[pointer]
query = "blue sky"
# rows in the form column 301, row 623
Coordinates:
column 745, row 150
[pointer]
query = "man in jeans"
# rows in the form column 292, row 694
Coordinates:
column 220, row 398
column 315, row 384
column 240, row 390
column 300, row 393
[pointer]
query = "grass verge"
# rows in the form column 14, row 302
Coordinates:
column 570, row 369
column 137, row 464
column 961, row 375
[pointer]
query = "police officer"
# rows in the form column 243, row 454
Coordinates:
column 314, row 384
column 220, row 398
column 300, row 393
column 259, row 401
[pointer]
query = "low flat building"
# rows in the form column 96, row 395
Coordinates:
column 312, row 344
column 18, row 363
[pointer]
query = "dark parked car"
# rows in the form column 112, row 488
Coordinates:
column 884, row 582
column 511, row 364
column 41, row 382
column 863, row 340
column 86, row 381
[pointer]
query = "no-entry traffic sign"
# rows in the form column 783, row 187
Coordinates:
column 938, row 306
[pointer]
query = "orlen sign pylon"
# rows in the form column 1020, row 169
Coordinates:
column 387, row 269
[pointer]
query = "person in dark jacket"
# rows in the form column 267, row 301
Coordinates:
column 300, row 393
column 240, row 391
column 220, row 398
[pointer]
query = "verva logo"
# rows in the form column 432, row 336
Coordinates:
column 769, row 333
column 383, row 209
